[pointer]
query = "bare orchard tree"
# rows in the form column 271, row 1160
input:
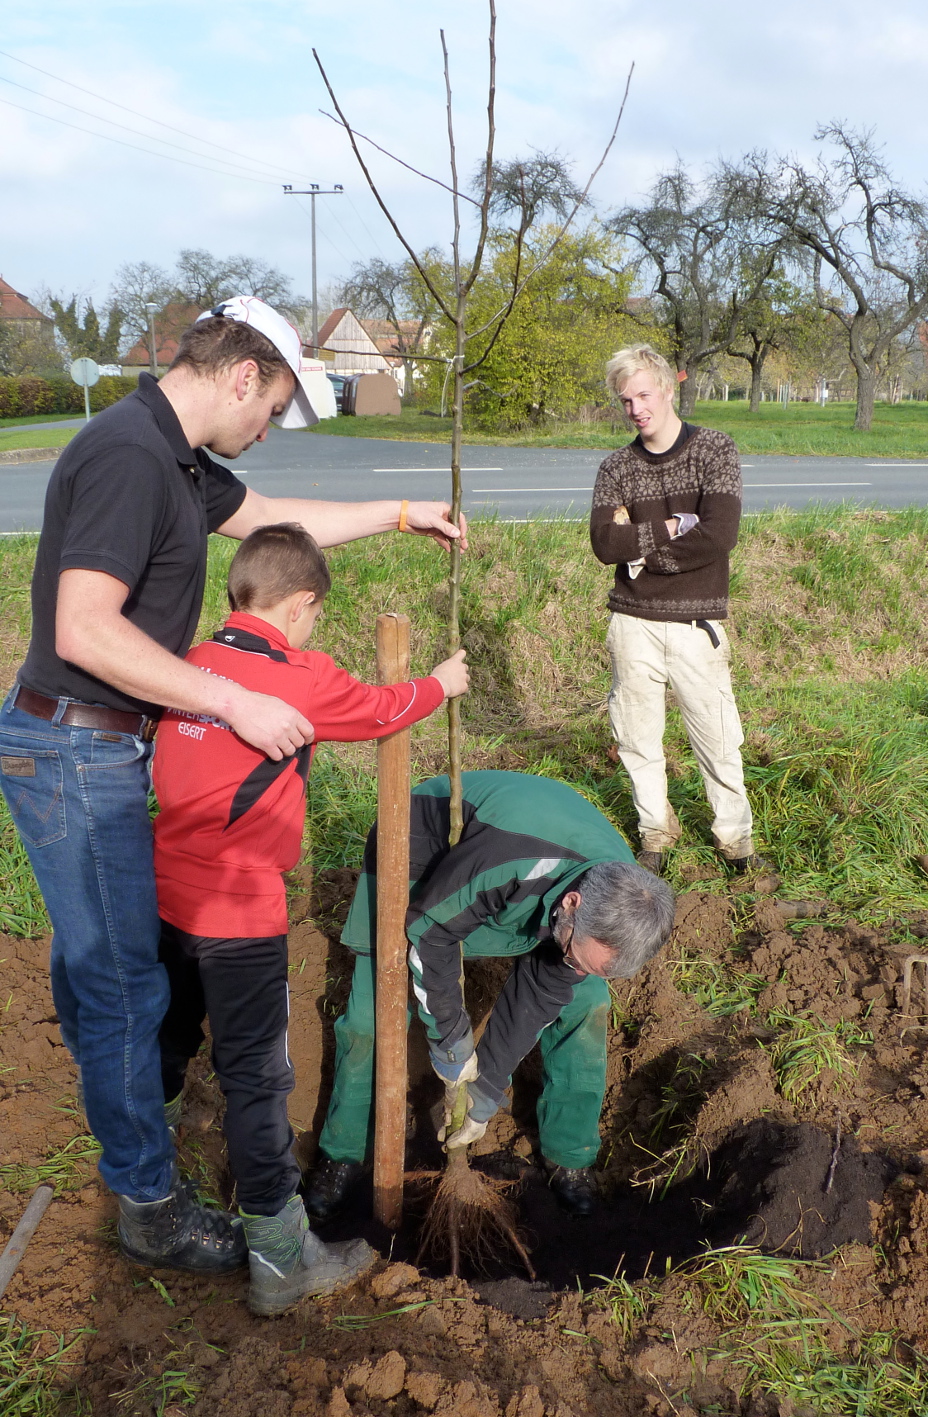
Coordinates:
column 530, row 188
column 202, row 279
column 451, row 303
column 199, row 280
column 135, row 285
column 705, row 260
column 866, row 240
column 774, row 320
column 394, row 293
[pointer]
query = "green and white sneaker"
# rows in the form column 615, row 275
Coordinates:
column 288, row 1262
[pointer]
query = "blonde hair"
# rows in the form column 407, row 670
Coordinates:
column 635, row 359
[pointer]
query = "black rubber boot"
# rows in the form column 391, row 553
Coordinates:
column 179, row 1234
column 575, row 1188
column 325, row 1191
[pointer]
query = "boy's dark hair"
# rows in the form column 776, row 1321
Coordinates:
column 211, row 346
column 274, row 562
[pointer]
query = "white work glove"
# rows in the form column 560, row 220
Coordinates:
column 480, row 1111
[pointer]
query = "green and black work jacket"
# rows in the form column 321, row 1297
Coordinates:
column 526, row 841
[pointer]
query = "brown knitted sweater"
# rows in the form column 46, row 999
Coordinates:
column 685, row 578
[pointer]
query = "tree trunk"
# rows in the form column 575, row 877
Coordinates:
column 688, row 396
column 866, row 395
column 456, row 805
column 757, row 370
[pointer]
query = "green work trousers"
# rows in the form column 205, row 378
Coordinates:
column 573, row 1056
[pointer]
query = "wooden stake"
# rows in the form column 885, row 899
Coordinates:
column 393, row 786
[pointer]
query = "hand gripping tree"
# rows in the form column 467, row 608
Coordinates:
column 469, row 1211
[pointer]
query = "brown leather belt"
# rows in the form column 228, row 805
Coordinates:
column 87, row 715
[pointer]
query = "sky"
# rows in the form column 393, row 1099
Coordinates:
column 234, row 87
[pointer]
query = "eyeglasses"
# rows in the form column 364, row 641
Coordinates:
column 569, row 956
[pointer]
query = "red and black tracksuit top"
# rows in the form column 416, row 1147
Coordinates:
column 231, row 820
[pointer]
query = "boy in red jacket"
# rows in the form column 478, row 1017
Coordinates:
column 231, row 822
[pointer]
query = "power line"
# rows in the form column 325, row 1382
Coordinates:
column 150, row 152
column 136, row 114
column 98, row 117
column 366, row 228
column 331, row 212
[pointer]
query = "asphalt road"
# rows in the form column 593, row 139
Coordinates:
column 516, row 484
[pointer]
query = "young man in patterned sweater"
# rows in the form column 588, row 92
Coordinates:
column 665, row 513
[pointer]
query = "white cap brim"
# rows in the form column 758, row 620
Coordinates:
column 299, row 412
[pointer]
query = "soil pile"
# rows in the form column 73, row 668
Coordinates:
column 693, row 1084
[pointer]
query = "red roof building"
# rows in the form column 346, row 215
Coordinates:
column 170, row 324
column 14, row 306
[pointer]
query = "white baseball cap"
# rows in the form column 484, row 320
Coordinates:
column 285, row 338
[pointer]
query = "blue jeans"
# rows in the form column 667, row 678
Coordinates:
column 79, row 798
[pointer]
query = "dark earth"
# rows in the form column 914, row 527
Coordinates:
column 836, row 1170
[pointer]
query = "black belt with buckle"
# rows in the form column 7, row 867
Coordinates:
column 87, row 715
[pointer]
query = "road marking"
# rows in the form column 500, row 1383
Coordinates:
column 532, row 489
column 896, row 464
column 445, row 467
column 749, row 485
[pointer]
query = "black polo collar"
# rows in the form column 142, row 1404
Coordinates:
column 167, row 420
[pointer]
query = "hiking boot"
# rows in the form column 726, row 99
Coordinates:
column 575, row 1188
column 654, row 861
column 757, row 874
column 288, row 1262
column 324, row 1193
column 179, row 1234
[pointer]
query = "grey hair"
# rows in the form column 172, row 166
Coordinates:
column 626, row 908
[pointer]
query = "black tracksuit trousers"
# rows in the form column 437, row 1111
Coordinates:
column 241, row 986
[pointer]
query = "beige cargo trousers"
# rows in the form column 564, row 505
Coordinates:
column 647, row 656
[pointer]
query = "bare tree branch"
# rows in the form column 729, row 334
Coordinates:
column 393, row 157
column 491, row 142
column 504, row 312
column 426, row 278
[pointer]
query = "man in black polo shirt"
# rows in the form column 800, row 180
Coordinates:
column 116, row 596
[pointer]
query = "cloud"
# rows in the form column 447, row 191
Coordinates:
column 709, row 80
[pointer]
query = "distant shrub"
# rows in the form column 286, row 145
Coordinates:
column 26, row 396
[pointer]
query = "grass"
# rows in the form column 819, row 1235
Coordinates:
column 777, row 1336
column 66, row 1169
column 12, row 438
column 161, row 1393
column 720, row 989
column 801, row 429
column 782, row 1338
column 830, row 673
column 33, row 1367
column 627, row 1304
column 805, row 1047
column 30, row 419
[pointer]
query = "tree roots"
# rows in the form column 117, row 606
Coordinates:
column 470, row 1217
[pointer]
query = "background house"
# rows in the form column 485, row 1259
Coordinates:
column 24, row 317
column 348, row 346
column 170, row 324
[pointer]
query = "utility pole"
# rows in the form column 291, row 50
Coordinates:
column 151, row 307
column 314, row 191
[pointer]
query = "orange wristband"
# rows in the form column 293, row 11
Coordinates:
column 404, row 508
